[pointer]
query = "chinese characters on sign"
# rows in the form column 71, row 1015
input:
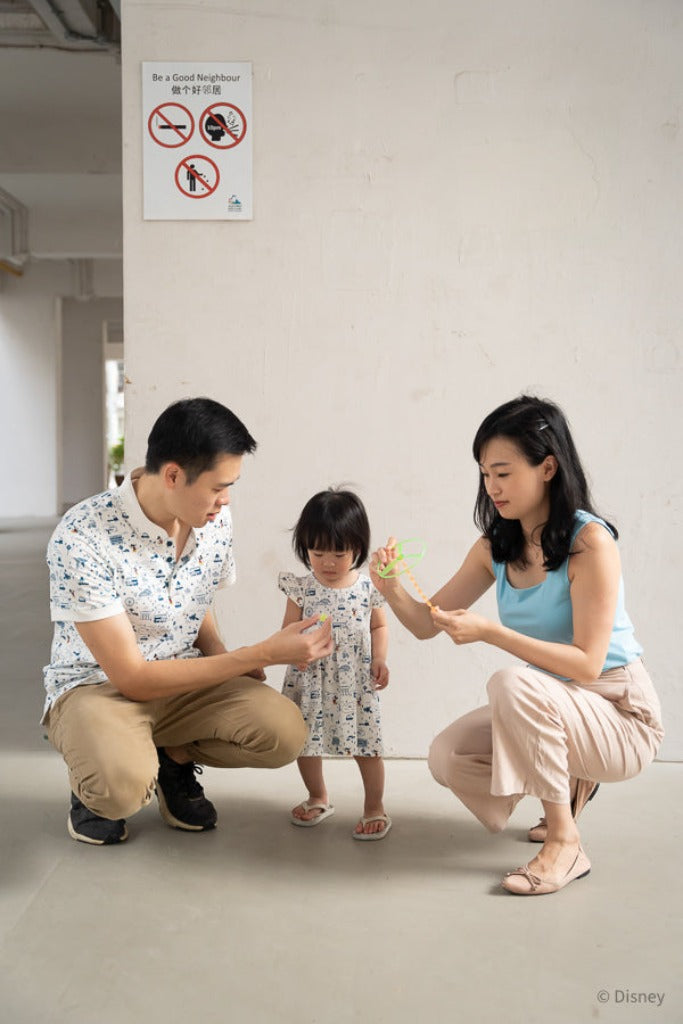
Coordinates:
column 197, row 125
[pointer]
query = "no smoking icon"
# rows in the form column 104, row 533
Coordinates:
column 197, row 176
column 170, row 125
column 223, row 125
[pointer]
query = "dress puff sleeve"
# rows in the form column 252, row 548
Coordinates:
column 291, row 585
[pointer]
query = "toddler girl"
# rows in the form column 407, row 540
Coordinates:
column 338, row 695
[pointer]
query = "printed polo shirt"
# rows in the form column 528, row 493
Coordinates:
column 106, row 557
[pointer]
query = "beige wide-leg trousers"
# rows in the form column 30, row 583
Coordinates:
column 537, row 732
column 109, row 742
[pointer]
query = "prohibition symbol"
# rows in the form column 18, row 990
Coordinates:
column 197, row 176
column 170, row 125
column 223, row 125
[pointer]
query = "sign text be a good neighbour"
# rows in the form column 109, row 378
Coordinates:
column 197, row 154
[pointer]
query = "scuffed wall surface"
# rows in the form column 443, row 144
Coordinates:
column 453, row 203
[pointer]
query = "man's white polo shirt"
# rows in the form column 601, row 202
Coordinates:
column 106, row 557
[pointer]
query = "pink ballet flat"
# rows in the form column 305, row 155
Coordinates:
column 523, row 882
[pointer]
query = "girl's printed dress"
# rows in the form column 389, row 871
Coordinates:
column 335, row 695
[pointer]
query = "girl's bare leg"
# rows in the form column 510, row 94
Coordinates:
column 372, row 773
column 311, row 769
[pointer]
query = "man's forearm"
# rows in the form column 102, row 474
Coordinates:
column 113, row 646
column 153, row 679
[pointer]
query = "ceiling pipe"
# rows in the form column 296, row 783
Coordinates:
column 54, row 19
column 9, row 268
column 83, row 276
column 18, row 254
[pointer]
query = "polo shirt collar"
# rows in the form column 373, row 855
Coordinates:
column 137, row 518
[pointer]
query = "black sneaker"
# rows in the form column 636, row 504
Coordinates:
column 87, row 827
column 181, row 799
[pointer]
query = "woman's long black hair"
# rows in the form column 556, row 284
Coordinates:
column 538, row 428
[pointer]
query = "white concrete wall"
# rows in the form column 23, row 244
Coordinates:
column 40, row 474
column 60, row 126
column 29, row 368
column 453, row 203
column 82, row 405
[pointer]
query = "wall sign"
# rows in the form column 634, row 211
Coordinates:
column 197, row 126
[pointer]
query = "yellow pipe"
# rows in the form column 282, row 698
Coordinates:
column 11, row 269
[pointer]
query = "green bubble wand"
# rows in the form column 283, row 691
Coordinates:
column 409, row 553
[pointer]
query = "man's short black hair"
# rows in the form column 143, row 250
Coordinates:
column 194, row 432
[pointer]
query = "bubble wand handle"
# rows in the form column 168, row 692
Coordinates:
column 419, row 589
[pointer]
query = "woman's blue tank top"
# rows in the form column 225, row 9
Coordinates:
column 545, row 611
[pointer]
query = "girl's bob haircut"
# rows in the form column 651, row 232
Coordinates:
column 332, row 520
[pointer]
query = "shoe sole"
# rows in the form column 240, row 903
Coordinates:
column 174, row 822
column 550, row 892
column 80, row 838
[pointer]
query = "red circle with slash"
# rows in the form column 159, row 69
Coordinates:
column 166, row 126
column 197, row 185
column 225, row 121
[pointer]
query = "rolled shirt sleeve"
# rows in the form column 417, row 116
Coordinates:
column 82, row 584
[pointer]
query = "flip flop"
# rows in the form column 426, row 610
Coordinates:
column 326, row 810
column 373, row 836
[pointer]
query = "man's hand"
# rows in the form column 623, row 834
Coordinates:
column 293, row 646
column 114, row 648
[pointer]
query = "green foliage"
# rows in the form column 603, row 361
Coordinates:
column 116, row 456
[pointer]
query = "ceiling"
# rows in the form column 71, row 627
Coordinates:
column 60, row 129
column 68, row 25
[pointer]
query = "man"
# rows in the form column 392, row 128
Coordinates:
column 140, row 688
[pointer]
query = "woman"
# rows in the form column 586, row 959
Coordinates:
column 581, row 709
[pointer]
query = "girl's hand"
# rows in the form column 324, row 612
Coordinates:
column 257, row 673
column 462, row 626
column 379, row 673
column 380, row 559
column 293, row 646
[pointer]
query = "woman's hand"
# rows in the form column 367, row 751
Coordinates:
column 380, row 559
column 379, row 674
column 463, row 627
column 294, row 646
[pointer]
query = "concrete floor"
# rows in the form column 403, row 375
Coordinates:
column 262, row 922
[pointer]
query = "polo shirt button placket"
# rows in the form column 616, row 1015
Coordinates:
column 170, row 559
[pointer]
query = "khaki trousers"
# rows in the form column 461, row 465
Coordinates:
column 538, row 732
column 109, row 742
